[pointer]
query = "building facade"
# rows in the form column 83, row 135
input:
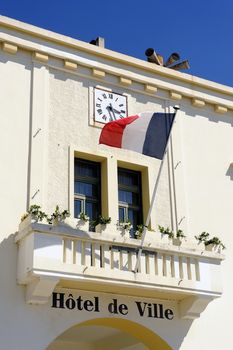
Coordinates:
column 69, row 284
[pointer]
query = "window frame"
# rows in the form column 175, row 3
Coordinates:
column 138, row 208
column 88, row 180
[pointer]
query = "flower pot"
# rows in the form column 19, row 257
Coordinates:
column 100, row 228
column 213, row 248
column 177, row 241
column 201, row 246
column 82, row 225
column 165, row 239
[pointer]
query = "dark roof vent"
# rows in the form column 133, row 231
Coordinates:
column 98, row 42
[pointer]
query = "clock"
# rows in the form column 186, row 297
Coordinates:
column 109, row 106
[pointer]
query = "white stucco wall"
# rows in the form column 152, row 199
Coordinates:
column 46, row 115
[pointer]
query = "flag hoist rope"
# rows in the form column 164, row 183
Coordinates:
column 176, row 108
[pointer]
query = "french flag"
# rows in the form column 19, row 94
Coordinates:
column 146, row 133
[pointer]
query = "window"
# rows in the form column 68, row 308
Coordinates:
column 129, row 196
column 87, row 189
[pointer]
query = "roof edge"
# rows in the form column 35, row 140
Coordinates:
column 112, row 55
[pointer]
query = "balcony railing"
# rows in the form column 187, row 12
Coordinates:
column 51, row 256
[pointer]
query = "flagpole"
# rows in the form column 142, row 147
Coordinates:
column 153, row 198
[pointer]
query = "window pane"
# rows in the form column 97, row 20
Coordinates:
column 86, row 169
column 92, row 210
column 134, row 217
column 125, row 196
column 121, row 215
column 77, row 207
column 86, row 189
column 128, row 197
column 127, row 179
column 129, row 194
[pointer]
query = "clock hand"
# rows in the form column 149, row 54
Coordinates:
column 109, row 110
column 115, row 110
column 112, row 110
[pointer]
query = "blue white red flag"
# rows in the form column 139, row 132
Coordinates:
column 146, row 133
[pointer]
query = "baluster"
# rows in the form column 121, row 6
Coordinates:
column 172, row 266
column 133, row 256
column 197, row 270
column 193, row 275
column 67, row 251
column 124, row 260
column 185, row 267
column 160, row 264
column 168, row 263
column 78, row 253
column 143, row 263
column 181, row 267
column 164, row 265
column 115, row 259
column 87, row 253
column 96, row 255
column 106, row 256
column 176, row 266
column 151, row 263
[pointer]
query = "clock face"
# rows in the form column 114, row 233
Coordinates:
column 109, row 106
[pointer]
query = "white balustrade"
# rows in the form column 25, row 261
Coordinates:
column 83, row 252
column 72, row 256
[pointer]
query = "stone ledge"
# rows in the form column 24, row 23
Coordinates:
column 10, row 48
column 175, row 95
column 70, row 65
column 40, row 56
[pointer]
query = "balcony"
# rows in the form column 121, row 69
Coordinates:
column 62, row 256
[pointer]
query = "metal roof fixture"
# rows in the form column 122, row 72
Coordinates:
column 99, row 41
column 156, row 58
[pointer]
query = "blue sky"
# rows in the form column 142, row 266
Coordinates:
column 201, row 31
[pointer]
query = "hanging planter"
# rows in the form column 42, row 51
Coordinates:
column 83, row 222
column 214, row 245
column 178, row 238
column 124, row 228
column 102, row 223
column 58, row 217
column 166, row 235
column 210, row 244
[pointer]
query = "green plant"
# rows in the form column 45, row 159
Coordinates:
column 138, row 233
column 36, row 212
column 126, row 225
column 180, row 234
column 166, row 231
column 202, row 237
column 83, row 217
column 58, row 215
column 215, row 241
column 103, row 220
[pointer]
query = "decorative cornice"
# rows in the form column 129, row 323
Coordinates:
column 100, row 69
column 10, row 48
column 112, row 55
column 70, row 65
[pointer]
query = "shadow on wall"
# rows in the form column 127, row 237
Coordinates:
column 117, row 333
column 24, row 59
column 207, row 112
column 8, row 264
column 230, row 171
